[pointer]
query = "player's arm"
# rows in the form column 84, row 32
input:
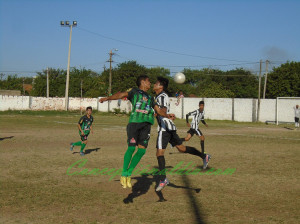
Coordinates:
column 203, row 122
column 79, row 127
column 161, row 111
column 187, row 119
column 116, row 96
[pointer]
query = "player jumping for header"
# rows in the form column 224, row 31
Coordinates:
column 167, row 133
column 139, row 126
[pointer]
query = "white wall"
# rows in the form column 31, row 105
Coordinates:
column 14, row 102
column 215, row 108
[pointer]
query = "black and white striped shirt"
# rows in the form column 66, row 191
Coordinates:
column 164, row 124
column 197, row 117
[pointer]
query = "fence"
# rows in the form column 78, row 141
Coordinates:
column 244, row 110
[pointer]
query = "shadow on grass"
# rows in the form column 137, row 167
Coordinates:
column 195, row 206
column 143, row 185
column 1, row 139
column 289, row 128
column 88, row 151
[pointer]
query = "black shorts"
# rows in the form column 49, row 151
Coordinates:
column 165, row 137
column 195, row 131
column 84, row 137
column 297, row 119
column 138, row 134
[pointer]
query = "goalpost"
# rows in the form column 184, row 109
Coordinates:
column 285, row 109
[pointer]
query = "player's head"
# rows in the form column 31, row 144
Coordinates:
column 201, row 105
column 89, row 110
column 161, row 84
column 297, row 106
column 143, row 82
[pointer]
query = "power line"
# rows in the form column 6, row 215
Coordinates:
column 156, row 49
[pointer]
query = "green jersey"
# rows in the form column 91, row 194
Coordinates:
column 85, row 124
column 142, row 106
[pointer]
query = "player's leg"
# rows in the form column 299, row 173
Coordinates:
column 163, row 139
column 202, row 138
column 190, row 134
column 132, row 141
column 142, row 141
column 83, row 144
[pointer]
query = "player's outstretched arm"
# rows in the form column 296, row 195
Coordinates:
column 116, row 96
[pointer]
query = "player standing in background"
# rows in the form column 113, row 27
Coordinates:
column 85, row 127
column 167, row 133
column 198, row 115
column 297, row 115
column 139, row 126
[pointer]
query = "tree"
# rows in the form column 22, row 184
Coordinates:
column 284, row 81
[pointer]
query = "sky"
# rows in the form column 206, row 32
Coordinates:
column 173, row 34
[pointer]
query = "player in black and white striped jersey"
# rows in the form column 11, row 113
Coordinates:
column 197, row 115
column 167, row 132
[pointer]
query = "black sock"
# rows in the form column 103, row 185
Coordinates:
column 194, row 151
column 202, row 146
column 182, row 139
column 162, row 165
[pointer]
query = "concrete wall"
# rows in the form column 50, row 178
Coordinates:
column 244, row 110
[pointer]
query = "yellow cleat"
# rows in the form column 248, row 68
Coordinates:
column 128, row 181
column 123, row 182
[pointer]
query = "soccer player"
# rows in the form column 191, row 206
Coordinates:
column 139, row 126
column 167, row 133
column 85, row 127
column 297, row 115
column 198, row 115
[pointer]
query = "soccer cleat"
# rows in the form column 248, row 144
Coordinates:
column 162, row 184
column 72, row 146
column 206, row 161
column 82, row 153
column 128, row 181
column 123, row 182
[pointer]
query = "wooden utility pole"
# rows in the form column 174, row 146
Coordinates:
column 47, row 82
column 259, row 87
column 266, row 77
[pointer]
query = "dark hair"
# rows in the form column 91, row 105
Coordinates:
column 140, row 78
column 89, row 108
column 201, row 102
column 163, row 81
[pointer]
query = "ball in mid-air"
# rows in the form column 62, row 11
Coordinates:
column 179, row 78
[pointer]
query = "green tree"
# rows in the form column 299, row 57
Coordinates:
column 284, row 81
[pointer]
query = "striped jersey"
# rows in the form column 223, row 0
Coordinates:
column 142, row 106
column 197, row 117
column 164, row 124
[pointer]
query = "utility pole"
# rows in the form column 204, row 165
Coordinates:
column 47, row 82
column 67, row 23
column 259, row 87
column 80, row 96
column 110, row 75
column 266, row 77
column 23, row 87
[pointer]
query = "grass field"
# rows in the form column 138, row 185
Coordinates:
column 35, row 186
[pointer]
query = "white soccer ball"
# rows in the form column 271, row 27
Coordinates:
column 179, row 78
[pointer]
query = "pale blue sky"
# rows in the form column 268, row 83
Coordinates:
column 168, row 33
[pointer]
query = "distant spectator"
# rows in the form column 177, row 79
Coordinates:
column 297, row 115
column 180, row 95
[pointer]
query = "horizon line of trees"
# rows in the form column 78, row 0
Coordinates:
column 212, row 83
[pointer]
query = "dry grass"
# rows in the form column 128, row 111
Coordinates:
column 35, row 187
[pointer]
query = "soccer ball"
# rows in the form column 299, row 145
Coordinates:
column 179, row 78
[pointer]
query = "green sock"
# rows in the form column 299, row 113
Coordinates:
column 77, row 143
column 135, row 160
column 127, row 159
column 82, row 147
